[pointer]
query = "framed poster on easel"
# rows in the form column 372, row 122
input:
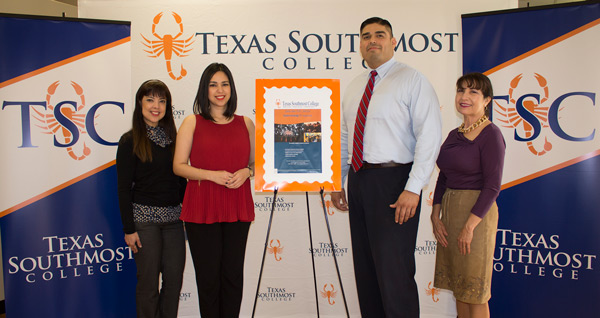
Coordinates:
column 298, row 147
column 297, row 135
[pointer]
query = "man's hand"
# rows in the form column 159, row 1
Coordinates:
column 405, row 206
column 339, row 200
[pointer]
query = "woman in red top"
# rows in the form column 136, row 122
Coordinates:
column 215, row 152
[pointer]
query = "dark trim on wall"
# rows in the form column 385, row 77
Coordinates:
column 42, row 17
column 549, row 6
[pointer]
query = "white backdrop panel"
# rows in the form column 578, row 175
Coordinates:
column 296, row 39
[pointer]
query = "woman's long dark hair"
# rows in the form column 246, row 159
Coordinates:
column 201, row 102
column 141, row 143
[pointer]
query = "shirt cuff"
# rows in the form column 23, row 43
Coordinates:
column 414, row 186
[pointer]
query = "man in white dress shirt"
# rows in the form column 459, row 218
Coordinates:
column 401, row 141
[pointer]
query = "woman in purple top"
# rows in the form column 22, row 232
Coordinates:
column 465, row 215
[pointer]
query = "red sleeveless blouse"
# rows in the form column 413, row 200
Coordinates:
column 218, row 147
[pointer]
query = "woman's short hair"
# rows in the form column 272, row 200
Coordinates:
column 480, row 82
column 201, row 102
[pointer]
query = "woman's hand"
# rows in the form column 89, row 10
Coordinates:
column 439, row 230
column 465, row 237
column 238, row 178
column 133, row 241
column 221, row 177
column 464, row 241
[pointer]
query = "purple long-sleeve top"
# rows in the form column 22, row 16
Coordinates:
column 472, row 165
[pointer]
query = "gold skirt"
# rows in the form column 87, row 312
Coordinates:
column 468, row 276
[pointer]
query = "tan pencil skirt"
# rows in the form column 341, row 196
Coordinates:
column 468, row 276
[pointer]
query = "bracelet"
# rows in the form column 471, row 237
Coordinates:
column 251, row 172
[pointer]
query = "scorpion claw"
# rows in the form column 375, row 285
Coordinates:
column 516, row 80
column 157, row 18
column 77, row 88
column 177, row 17
column 52, row 88
column 541, row 80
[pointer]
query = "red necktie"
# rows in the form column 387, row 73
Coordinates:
column 359, row 126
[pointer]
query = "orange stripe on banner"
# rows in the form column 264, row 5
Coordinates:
column 551, row 169
column 543, row 47
column 56, row 189
column 64, row 62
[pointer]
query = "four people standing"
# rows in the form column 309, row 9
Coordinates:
column 391, row 134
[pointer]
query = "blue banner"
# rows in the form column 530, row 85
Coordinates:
column 543, row 63
column 65, row 94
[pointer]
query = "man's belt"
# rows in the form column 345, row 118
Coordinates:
column 367, row 165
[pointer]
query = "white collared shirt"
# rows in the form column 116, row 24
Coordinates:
column 403, row 121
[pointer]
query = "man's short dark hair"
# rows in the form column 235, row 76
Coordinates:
column 379, row 21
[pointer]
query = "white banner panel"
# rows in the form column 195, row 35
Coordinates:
column 175, row 40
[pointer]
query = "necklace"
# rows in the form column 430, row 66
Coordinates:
column 464, row 130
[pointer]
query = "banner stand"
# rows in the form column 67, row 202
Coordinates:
column 311, row 249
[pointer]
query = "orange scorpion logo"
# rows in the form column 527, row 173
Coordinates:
column 511, row 119
column 52, row 126
column 328, row 205
column 168, row 45
column 329, row 294
column 275, row 250
column 433, row 292
column 429, row 199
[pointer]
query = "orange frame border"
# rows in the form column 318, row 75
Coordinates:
column 260, row 184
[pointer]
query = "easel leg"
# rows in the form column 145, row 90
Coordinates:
column 262, row 264
column 337, row 268
column 312, row 254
